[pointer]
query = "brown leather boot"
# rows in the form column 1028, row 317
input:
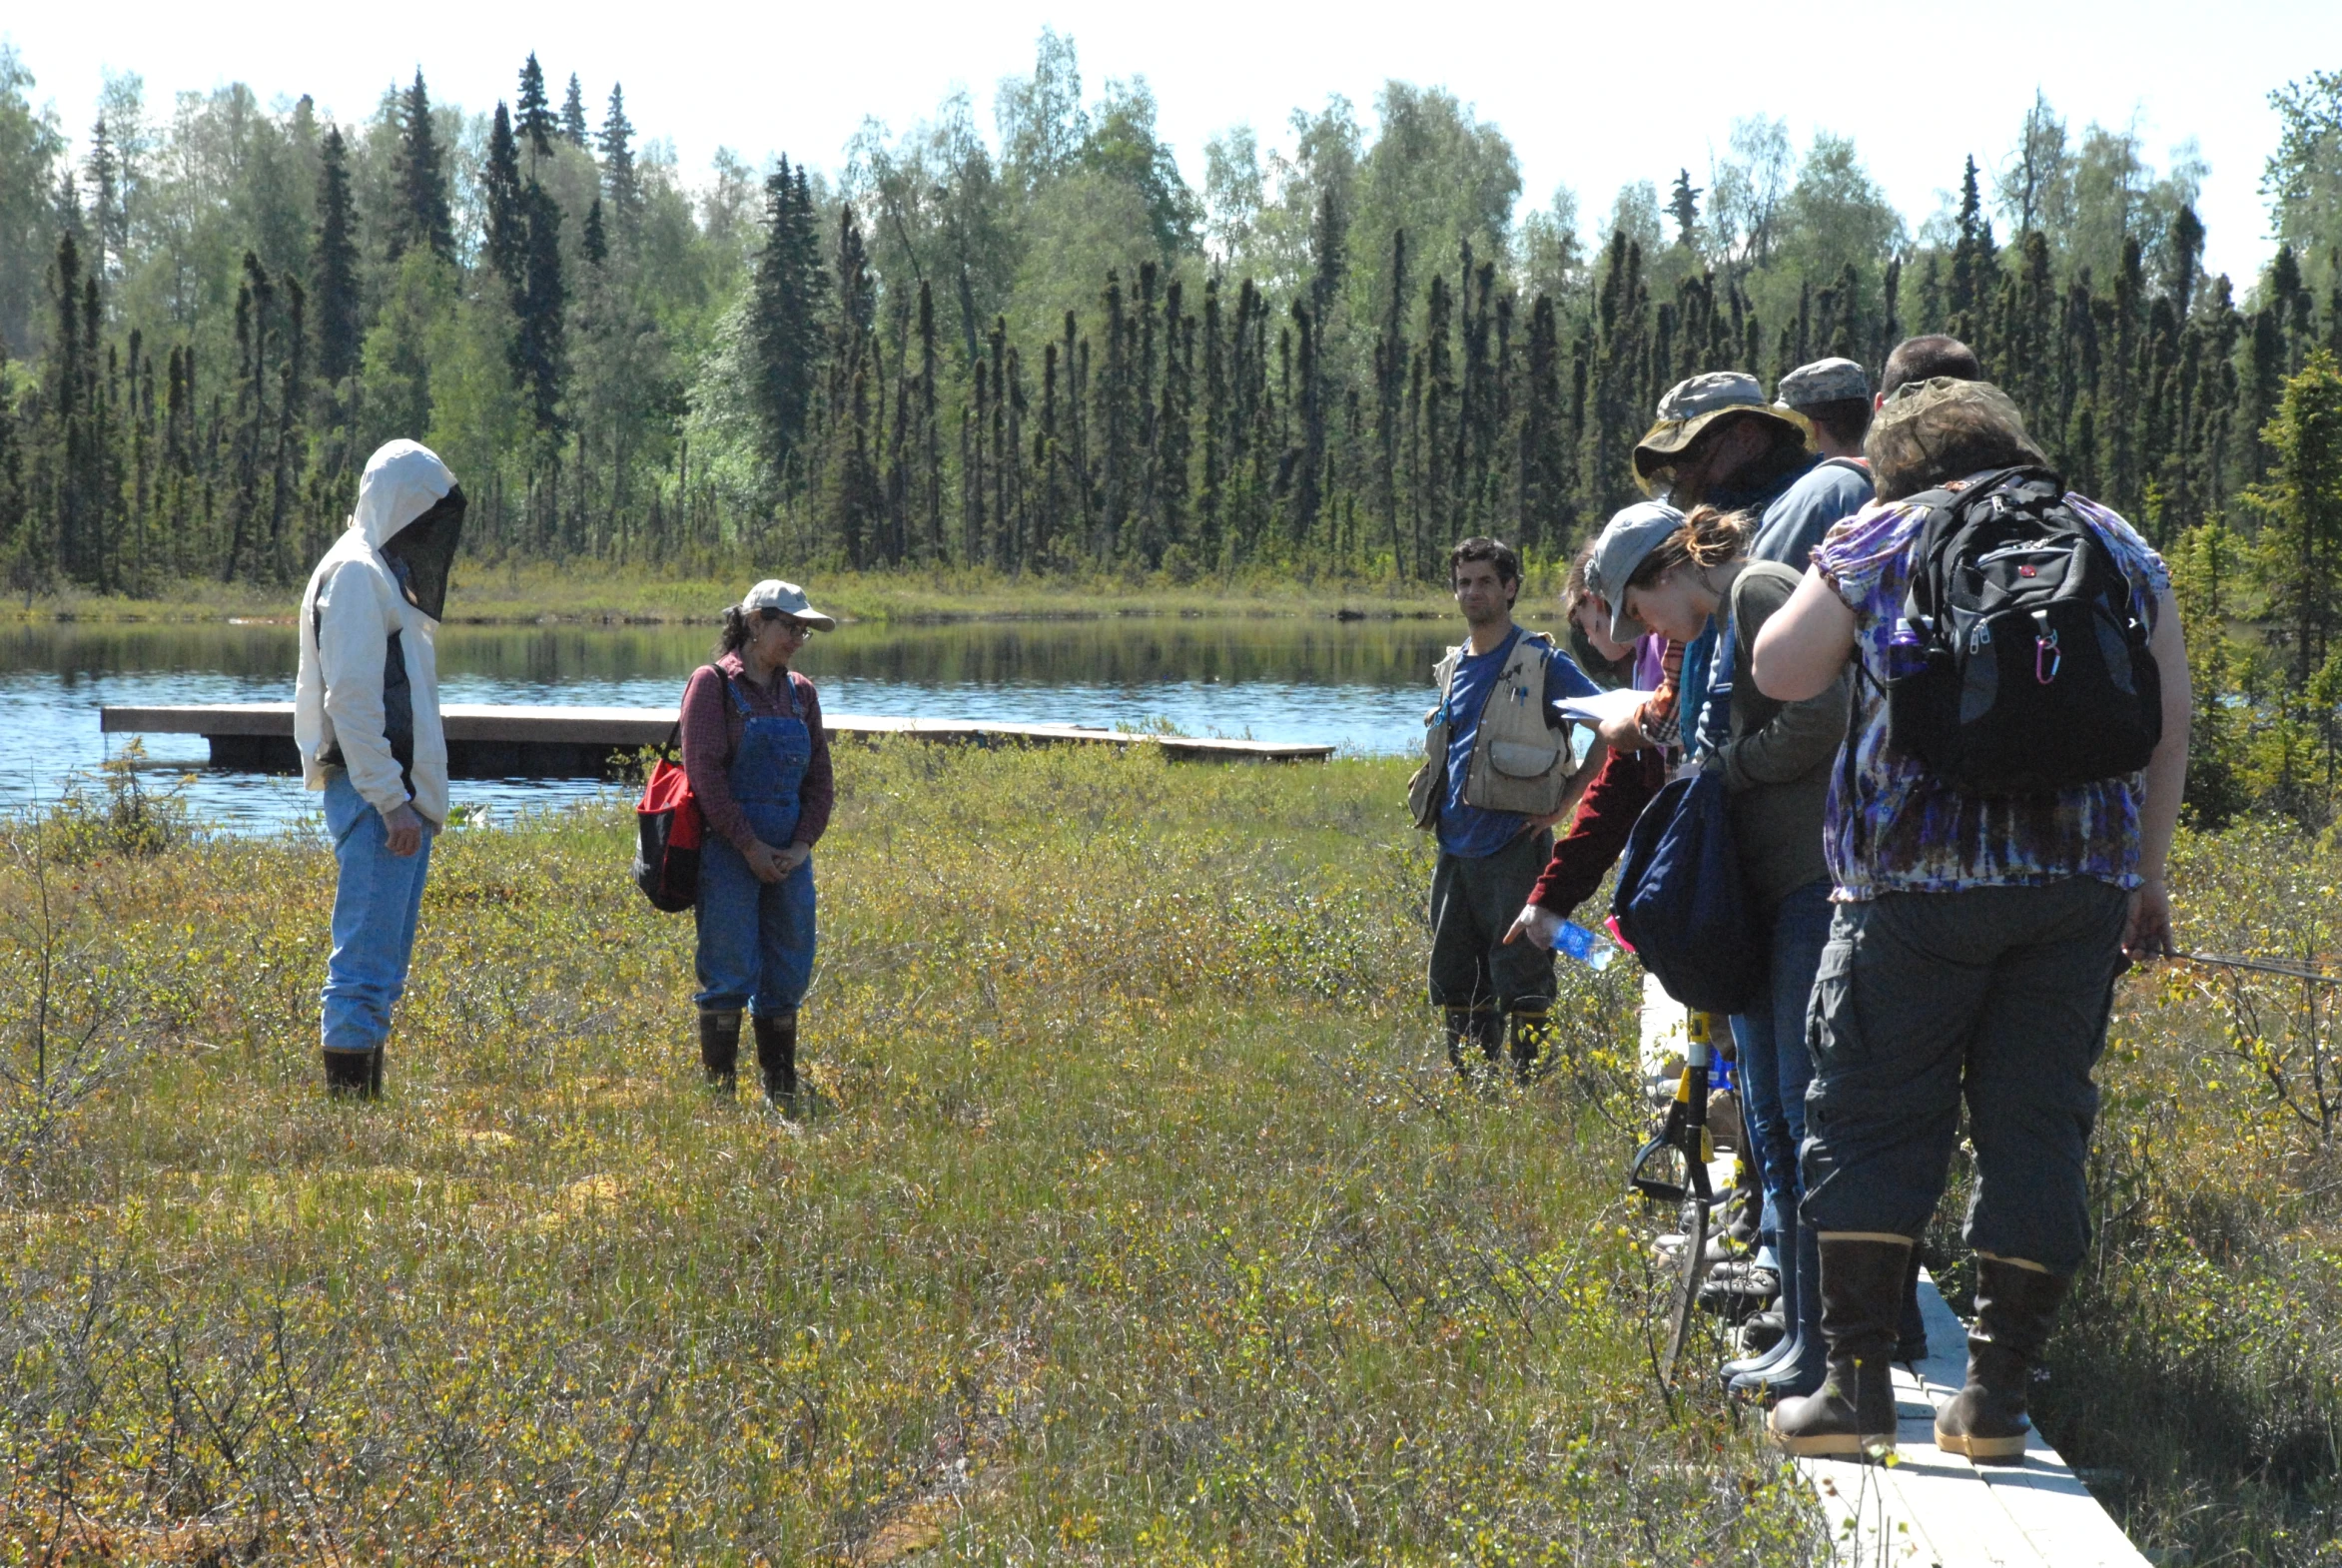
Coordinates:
column 2014, row 1307
column 776, row 1058
column 719, row 1048
column 1852, row 1412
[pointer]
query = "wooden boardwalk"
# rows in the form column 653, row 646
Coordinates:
column 549, row 742
column 1930, row 1509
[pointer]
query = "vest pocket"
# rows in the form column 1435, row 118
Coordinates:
column 1519, row 760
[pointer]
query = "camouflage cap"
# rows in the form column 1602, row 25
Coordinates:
column 1824, row 381
column 1629, row 536
column 1689, row 406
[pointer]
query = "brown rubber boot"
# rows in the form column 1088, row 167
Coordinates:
column 719, row 1048
column 1852, row 1412
column 776, row 1058
column 2014, row 1307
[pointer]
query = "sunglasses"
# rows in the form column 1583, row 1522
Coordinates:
column 794, row 627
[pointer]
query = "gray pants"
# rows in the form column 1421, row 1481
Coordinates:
column 1995, row 993
column 1474, row 902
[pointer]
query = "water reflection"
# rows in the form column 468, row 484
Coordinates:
column 1359, row 686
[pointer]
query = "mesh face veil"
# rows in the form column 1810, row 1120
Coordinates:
column 423, row 552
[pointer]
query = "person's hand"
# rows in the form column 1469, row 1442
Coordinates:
column 2147, row 933
column 766, row 862
column 1539, row 924
column 793, row 855
column 1539, row 824
column 403, row 830
column 1624, row 732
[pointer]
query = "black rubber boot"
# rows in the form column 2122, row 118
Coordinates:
column 1910, row 1338
column 2014, row 1308
column 1852, row 1412
column 719, row 1048
column 1532, row 1039
column 374, row 1073
column 1482, row 1026
column 776, row 1058
column 350, row 1075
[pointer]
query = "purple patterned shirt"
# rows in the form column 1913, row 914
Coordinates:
column 1900, row 830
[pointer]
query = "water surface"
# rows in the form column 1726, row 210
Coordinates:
column 1359, row 686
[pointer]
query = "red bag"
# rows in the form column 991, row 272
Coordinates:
column 668, row 835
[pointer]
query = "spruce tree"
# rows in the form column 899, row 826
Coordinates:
column 423, row 217
column 541, row 336
column 2301, row 508
column 507, row 216
column 620, row 182
column 534, row 117
column 573, row 114
column 334, row 264
column 784, row 322
column 594, row 241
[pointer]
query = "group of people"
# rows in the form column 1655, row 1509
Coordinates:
column 367, row 722
column 1926, row 942
column 1932, row 934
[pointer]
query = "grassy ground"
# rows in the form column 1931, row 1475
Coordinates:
column 594, row 591
column 1141, row 1221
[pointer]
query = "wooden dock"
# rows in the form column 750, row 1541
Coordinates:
column 577, row 742
column 1930, row 1509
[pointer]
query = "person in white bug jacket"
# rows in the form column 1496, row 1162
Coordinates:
column 365, row 715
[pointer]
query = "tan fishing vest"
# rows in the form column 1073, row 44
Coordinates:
column 1519, row 762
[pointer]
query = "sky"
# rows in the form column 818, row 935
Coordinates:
column 1590, row 96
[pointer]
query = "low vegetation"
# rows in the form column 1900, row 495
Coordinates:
column 1140, row 1218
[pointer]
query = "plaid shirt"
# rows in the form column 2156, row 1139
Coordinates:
column 1893, row 827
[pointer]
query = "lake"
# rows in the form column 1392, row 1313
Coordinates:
column 1359, row 686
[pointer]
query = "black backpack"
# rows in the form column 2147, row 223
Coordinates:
column 2020, row 663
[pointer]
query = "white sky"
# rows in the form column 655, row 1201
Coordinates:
column 1643, row 89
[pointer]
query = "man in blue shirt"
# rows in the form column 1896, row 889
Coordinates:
column 1496, row 776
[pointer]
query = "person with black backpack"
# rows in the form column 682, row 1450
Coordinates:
column 759, row 764
column 1997, row 834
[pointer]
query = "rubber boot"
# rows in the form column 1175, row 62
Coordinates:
column 2014, row 1307
column 1475, row 1026
column 350, row 1075
column 1910, row 1339
column 1852, row 1412
column 719, row 1048
column 374, row 1073
column 776, row 1058
column 1532, row 1038
column 1748, row 1373
column 1802, row 1363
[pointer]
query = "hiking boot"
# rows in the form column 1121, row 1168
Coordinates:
column 1852, row 1412
column 719, row 1048
column 351, row 1075
column 2014, row 1307
column 1741, row 1277
column 1532, row 1039
column 776, row 1060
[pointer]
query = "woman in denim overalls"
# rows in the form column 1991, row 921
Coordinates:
column 759, row 765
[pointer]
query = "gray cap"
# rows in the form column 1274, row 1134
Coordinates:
column 787, row 599
column 1629, row 536
column 1824, row 381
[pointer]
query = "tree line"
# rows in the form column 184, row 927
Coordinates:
column 1041, row 349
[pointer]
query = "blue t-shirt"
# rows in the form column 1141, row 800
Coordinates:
column 1472, row 831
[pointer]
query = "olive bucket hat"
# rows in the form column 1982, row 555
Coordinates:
column 1689, row 406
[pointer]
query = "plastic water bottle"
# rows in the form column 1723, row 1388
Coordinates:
column 1575, row 941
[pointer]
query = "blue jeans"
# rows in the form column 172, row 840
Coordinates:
column 1774, row 1065
column 755, row 938
column 377, row 898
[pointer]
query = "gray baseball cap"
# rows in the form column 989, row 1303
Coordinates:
column 1629, row 536
column 788, row 600
column 1824, row 381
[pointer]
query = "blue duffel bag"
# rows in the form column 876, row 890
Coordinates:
column 1682, row 902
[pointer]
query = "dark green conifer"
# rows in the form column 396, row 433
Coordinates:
column 507, row 215
column 334, row 264
column 573, row 114
column 533, row 117
column 423, row 217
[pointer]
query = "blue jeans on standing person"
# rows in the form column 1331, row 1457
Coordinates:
column 377, row 899
column 1774, row 1065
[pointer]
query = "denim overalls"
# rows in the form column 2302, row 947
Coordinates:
column 756, row 938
